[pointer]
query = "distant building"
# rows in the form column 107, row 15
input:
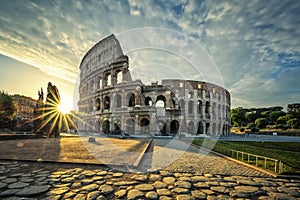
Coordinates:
column 111, row 102
column 25, row 107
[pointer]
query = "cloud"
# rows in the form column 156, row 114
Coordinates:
column 255, row 45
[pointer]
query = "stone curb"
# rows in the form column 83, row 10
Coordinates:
column 139, row 159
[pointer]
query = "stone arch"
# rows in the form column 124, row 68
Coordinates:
column 145, row 126
column 109, row 80
column 148, row 101
column 92, row 86
column 182, row 105
column 119, row 76
column 106, row 102
column 130, row 126
column 130, row 100
column 174, row 127
column 117, row 126
column 199, row 107
column 99, row 83
column 200, row 128
column 190, row 128
column 118, row 101
column 191, row 95
column 214, row 114
column 106, row 127
column 191, row 107
column 214, row 129
column 97, row 104
column 207, row 128
column 161, row 125
column 160, row 101
column 207, row 105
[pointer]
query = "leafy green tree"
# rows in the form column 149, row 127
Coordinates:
column 294, row 109
column 261, row 122
column 284, row 119
column 251, row 117
column 238, row 116
column 274, row 115
column 293, row 123
column 7, row 107
column 251, row 125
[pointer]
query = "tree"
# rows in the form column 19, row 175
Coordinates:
column 293, row 123
column 238, row 116
column 294, row 109
column 274, row 115
column 7, row 107
column 261, row 122
column 284, row 119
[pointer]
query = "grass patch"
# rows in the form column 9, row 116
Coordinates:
column 287, row 152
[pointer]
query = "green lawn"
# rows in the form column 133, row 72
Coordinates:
column 287, row 152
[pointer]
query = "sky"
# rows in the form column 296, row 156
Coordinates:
column 252, row 48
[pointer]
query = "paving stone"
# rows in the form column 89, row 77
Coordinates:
column 165, row 198
column 142, row 178
column 125, row 183
column 26, row 180
column 198, row 194
column 17, row 185
column 97, row 178
column 79, row 197
column 208, row 192
column 248, row 182
column 164, row 192
column 195, row 179
column 33, row 190
column 106, row 189
column 2, row 185
column 155, row 177
column 70, row 195
column 246, row 191
column 280, row 196
column 228, row 184
column 117, row 175
column 68, row 180
column 9, row 180
column 102, row 173
column 87, row 181
column 151, row 195
column 292, row 192
column 159, row 184
column 90, row 187
column 169, row 180
column 212, row 183
column 16, row 175
column 184, row 197
column 183, row 184
column 62, row 185
column 181, row 190
column 58, row 191
column 165, row 173
column 220, row 189
column 134, row 194
column 144, row 187
column 9, row 192
column 223, row 197
column 93, row 195
column 100, row 182
column 201, row 185
column 121, row 193
column 185, row 178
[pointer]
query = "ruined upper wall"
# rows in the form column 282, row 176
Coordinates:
column 102, row 53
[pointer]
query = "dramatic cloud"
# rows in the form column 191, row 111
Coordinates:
column 254, row 45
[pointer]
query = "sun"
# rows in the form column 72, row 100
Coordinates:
column 65, row 106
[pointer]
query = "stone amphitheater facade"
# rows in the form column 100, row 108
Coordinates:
column 111, row 102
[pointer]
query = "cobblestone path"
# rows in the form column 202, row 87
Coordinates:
column 19, row 180
column 179, row 156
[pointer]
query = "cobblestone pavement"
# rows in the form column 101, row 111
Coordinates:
column 32, row 180
column 178, row 156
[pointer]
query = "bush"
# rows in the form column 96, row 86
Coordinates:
column 251, row 125
column 261, row 122
column 293, row 123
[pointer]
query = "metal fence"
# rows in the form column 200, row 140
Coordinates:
column 259, row 161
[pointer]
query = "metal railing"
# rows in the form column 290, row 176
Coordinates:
column 257, row 160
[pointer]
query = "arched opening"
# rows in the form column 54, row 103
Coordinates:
column 174, row 127
column 182, row 105
column 161, row 125
column 117, row 127
column 199, row 107
column 148, row 101
column 92, row 86
column 190, row 128
column 145, row 126
column 106, row 127
column 200, row 128
column 206, row 128
column 99, row 83
column 91, row 106
column 119, row 77
column 214, row 129
column 106, row 102
column 130, row 123
column 97, row 104
column 160, row 101
column 118, row 101
column 131, row 100
column 191, row 95
column 207, row 105
column 214, row 110
column 109, row 80
column 191, row 107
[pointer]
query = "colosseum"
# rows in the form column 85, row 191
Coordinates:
column 110, row 102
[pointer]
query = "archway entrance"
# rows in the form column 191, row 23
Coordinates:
column 117, row 127
column 105, row 127
column 174, row 126
column 200, row 128
column 130, row 123
column 145, row 126
column 161, row 127
column 191, row 128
